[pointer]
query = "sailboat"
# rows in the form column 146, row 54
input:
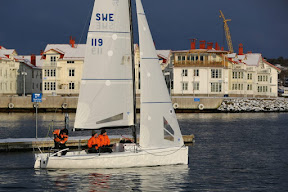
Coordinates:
column 107, row 95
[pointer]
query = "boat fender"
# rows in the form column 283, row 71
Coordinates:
column 64, row 105
column 201, row 106
column 11, row 105
column 175, row 105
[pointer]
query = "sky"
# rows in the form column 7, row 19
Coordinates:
column 260, row 25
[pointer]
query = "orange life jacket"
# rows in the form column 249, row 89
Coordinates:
column 93, row 141
column 104, row 140
column 56, row 132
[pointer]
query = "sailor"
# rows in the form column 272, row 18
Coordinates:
column 60, row 138
column 93, row 143
column 104, row 142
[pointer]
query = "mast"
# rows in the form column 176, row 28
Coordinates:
column 134, row 132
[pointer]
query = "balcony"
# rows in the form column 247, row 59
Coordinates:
column 189, row 63
column 50, row 64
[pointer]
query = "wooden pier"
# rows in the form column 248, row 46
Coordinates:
column 30, row 144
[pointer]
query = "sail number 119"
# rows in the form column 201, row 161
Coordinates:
column 97, row 42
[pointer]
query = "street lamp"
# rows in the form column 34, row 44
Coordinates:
column 24, row 74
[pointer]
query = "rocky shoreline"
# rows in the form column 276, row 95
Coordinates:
column 254, row 105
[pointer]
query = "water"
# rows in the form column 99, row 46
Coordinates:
column 233, row 152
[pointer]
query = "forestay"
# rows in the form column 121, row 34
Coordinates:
column 158, row 124
column 106, row 93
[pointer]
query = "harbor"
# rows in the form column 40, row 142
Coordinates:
column 134, row 95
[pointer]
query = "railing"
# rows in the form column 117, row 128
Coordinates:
column 50, row 64
column 189, row 63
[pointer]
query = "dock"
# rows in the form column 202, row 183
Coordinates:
column 30, row 144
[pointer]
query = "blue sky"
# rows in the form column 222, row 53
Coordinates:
column 261, row 25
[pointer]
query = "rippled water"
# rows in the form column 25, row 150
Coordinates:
column 233, row 152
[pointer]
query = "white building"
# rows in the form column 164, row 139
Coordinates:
column 17, row 74
column 213, row 72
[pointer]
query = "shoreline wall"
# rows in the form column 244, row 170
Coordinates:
column 58, row 103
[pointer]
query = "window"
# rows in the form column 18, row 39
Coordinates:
column 184, row 86
column 249, row 87
column 216, row 73
column 201, row 58
column 40, row 86
column 263, row 89
column 249, row 76
column 196, row 86
column 216, row 87
column 184, row 72
column 32, row 85
column 71, row 72
column 53, row 59
column 49, row 73
column 71, row 85
column 234, row 75
column 49, row 86
column 70, row 62
column 236, row 86
column 196, row 72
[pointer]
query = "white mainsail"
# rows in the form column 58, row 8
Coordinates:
column 158, row 123
column 106, row 93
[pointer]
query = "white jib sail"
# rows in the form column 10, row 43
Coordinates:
column 158, row 123
column 106, row 93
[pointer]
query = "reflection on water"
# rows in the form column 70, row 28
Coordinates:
column 141, row 179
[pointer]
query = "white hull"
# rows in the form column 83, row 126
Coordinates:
column 141, row 158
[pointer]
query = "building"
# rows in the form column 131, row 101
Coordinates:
column 17, row 74
column 201, row 72
column 62, row 68
column 209, row 71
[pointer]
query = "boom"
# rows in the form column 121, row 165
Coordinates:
column 227, row 32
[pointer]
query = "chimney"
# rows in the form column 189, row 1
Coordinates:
column 209, row 45
column 217, row 47
column 193, row 43
column 202, row 44
column 72, row 42
column 240, row 49
column 33, row 60
column 41, row 52
column 222, row 48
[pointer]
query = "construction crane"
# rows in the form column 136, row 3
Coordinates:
column 227, row 32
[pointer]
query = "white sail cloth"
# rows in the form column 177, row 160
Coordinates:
column 106, row 93
column 158, row 123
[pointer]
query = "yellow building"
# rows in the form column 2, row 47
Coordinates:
column 62, row 68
